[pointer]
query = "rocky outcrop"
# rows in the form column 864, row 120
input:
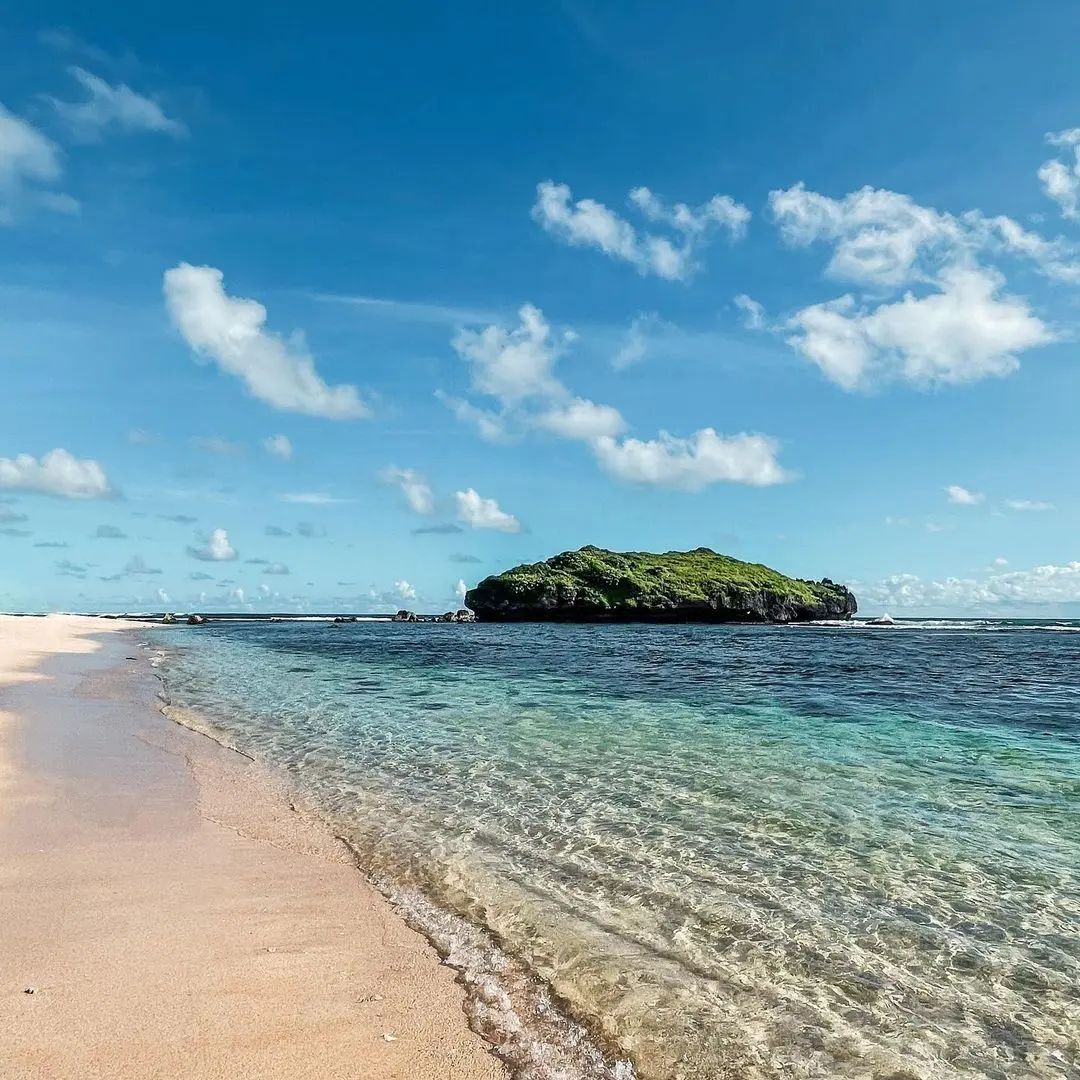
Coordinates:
column 594, row 585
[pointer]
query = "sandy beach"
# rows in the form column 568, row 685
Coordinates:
column 171, row 914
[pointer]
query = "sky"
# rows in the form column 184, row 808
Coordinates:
column 343, row 310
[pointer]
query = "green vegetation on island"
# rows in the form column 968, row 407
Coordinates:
column 594, row 585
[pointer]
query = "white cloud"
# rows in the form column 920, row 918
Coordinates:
column 1028, row 504
column 965, row 332
column 216, row 549
column 404, row 590
column 231, row 331
column 57, row 473
column 1039, row 585
column 961, row 496
column 694, row 463
column 513, row 365
column 27, row 159
column 414, row 487
column 460, row 589
column 277, row 569
column 1061, row 180
column 588, row 223
column 753, row 312
column 885, row 239
column 581, row 420
column 1001, row 561
column 480, row 513
column 278, row 446
column 110, row 108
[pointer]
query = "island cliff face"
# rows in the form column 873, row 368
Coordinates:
column 594, row 585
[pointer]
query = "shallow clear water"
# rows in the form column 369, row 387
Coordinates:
column 726, row 851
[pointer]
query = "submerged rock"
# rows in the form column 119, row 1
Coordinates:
column 594, row 585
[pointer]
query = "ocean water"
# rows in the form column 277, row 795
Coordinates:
column 694, row 851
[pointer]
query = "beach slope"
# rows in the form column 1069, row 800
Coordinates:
column 167, row 914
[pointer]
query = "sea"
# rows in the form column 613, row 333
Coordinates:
column 688, row 852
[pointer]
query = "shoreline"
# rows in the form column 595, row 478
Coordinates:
column 172, row 913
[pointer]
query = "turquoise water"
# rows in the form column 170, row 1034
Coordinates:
column 700, row 852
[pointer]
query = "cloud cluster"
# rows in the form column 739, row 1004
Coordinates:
column 588, row 223
column 231, row 331
column 1040, row 585
column 516, row 367
column 955, row 323
column 57, row 473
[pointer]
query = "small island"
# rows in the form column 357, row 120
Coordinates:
column 595, row 585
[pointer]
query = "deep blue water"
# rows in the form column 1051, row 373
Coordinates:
column 725, row 851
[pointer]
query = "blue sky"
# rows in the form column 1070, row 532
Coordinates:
column 339, row 318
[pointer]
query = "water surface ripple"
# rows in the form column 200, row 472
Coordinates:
column 746, row 852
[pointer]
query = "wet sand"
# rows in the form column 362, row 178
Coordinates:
column 173, row 914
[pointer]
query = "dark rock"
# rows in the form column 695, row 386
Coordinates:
column 196, row 620
column 168, row 619
column 464, row 615
column 405, row 616
column 594, row 585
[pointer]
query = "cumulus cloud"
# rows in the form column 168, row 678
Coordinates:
column 460, row 589
column 216, row 549
column 57, row 473
column 588, row 223
column 480, row 513
column 414, row 487
column 1061, row 179
column 966, row 331
column 278, row 446
column 108, row 108
column 1040, row 585
column 231, row 331
column 404, row 590
column 961, row 496
column 28, row 160
column 693, row 463
column 513, row 365
column 582, row 420
column 538, row 400
column 885, row 239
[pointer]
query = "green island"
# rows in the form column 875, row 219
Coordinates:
column 595, row 585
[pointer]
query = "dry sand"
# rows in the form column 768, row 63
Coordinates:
column 173, row 916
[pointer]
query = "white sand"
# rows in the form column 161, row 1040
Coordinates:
column 175, row 918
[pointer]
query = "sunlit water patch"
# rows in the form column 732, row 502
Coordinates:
column 722, row 851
